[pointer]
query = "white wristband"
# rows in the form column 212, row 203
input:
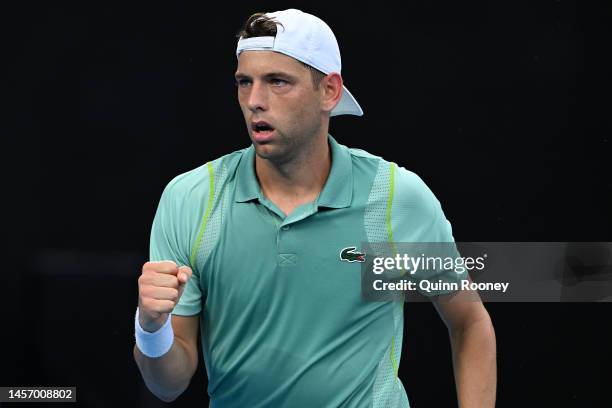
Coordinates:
column 154, row 344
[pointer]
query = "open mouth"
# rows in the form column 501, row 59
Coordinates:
column 261, row 128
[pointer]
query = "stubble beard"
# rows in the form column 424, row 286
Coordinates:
column 287, row 149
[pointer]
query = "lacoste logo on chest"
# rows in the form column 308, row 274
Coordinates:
column 350, row 254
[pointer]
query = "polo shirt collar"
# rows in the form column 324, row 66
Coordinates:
column 337, row 191
column 247, row 186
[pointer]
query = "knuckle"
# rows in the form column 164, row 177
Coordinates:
column 155, row 306
column 149, row 267
column 158, row 306
column 145, row 292
column 144, row 278
column 174, row 294
column 165, row 281
column 146, row 303
column 168, row 266
column 159, row 266
column 165, row 306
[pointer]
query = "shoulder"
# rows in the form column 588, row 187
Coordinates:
column 412, row 191
column 198, row 183
column 407, row 189
column 409, row 207
column 362, row 159
column 362, row 154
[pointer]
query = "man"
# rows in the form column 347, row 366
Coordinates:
column 248, row 249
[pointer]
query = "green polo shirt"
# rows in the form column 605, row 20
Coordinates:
column 282, row 320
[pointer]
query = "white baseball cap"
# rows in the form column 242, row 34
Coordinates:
column 308, row 39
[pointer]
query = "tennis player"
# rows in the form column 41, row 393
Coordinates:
column 259, row 251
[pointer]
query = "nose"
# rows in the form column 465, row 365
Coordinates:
column 257, row 98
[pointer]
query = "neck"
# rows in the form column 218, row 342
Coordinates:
column 299, row 179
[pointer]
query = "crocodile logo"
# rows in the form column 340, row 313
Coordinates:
column 350, row 255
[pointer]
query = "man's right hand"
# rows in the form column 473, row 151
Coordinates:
column 160, row 287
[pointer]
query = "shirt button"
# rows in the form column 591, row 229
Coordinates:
column 285, row 227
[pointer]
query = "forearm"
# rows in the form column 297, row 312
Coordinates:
column 169, row 375
column 475, row 365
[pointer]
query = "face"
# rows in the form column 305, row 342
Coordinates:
column 282, row 110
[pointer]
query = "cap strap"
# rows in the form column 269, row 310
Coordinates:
column 255, row 43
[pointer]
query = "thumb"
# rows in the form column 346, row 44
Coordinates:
column 183, row 275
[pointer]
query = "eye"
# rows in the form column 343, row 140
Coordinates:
column 241, row 83
column 278, row 82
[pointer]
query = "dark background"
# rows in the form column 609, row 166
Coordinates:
column 501, row 107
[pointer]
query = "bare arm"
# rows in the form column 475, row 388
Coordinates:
column 160, row 287
column 169, row 375
column 474, row 350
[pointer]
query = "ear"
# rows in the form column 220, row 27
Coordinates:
column 331, row 91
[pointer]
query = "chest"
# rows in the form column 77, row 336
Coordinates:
column 261, row 257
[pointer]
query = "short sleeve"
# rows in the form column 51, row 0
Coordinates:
column 418, row 218
column 454, row 272
column 170, row 241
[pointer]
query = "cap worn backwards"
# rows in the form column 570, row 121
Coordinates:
column 308, row 39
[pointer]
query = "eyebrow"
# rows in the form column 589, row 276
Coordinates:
column 269, row 75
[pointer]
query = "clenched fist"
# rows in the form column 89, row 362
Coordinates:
column 159, row 289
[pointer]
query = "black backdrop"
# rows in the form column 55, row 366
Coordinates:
column 502, row 108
